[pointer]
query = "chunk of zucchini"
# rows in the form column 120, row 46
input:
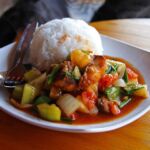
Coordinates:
column 121, row 66
column 31, row 74
column 17, row 92
column 111, row 69
column 39, row 81
column 76, row 73
column 29, row 93
column 49, row 112
column 131, row 88
column 125, row 76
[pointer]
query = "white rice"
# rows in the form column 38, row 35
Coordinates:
column 53, row 41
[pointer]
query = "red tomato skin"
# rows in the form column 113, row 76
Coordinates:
column 89, row 99
column 131, row 74
column 107, row 80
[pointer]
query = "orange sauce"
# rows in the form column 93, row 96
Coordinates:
column 104, row 117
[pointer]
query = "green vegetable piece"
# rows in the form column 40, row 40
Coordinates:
column 130, row 88
column 38, row 83
column 17, row 92
column 66, row 119
column 53, row 73
column 31, row 74
column 69, row 74
column 125, row 76
column 76, row 73
column 115, row 67
column 113, row 93
column 29, row 93
column 118, row 66
column 125, row 102
column 142, row 92
column 41, row 100
column 49, row 112
column 108, row 71
column 112, row 69
column 86, row 52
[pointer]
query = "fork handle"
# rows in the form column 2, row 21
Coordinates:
column 24, row 43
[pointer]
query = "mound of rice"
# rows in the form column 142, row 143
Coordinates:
column 52, row 42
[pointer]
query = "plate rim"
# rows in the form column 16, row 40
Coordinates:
column 84, row 128
column 77, row 128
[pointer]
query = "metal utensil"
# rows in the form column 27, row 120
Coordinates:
column 15, row 75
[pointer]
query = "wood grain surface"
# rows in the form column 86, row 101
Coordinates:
column 133, row 31
column 17, row 135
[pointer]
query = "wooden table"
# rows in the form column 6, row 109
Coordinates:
column 17, row 135
column 133, row 31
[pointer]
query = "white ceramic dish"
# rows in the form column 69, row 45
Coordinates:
column 139, row 58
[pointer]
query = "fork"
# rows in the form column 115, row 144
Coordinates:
column 15, row 76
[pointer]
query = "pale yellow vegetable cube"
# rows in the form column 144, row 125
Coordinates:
column 143, row 92
column 49, row 112
column 32, row 74
column 29, row 93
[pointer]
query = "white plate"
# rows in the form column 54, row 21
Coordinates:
column 139, row 58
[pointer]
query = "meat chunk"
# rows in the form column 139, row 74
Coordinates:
column 108, row 106
column 93, row 72
column 64, row 80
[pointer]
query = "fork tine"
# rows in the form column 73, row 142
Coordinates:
column 12, row 83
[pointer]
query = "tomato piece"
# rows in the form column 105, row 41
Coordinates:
column 131, row 74
column 89, row 98
column 107, row 80
column 114, row 109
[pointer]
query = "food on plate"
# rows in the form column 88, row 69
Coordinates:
column 78, row 88
column 53, row 41
column 71, row 81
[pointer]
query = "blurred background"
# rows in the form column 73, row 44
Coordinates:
column 16, row 14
